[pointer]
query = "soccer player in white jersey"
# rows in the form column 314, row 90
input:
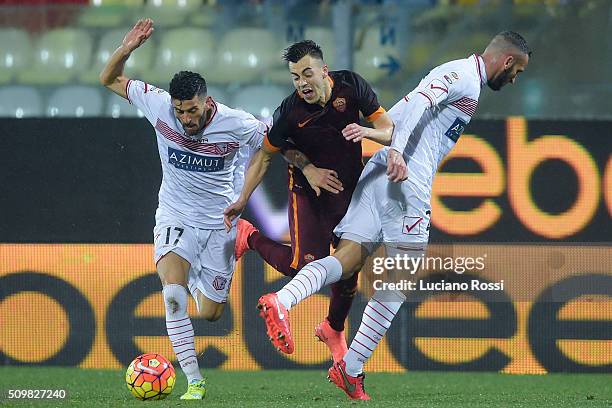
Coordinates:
column 201, row 144
column 394, row 208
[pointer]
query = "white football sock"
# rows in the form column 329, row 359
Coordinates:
column 180, row 330
column 377, row 317
column 310, row 279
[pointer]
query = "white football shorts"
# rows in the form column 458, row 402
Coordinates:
column 385, row 212
column 210, row 253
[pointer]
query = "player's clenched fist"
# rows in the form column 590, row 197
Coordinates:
column 396, row 166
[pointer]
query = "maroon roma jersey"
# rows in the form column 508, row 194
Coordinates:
column 316, row 130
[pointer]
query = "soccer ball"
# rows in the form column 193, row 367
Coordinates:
column 150, row 377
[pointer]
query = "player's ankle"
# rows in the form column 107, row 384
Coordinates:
column 337, row 326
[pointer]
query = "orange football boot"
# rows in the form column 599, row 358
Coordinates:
column 245, row 229
column 278, row 326
column 352, row 386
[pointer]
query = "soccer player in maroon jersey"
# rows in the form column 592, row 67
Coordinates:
column 317, row 129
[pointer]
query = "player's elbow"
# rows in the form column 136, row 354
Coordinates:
column 104, row 79
column 109, row 80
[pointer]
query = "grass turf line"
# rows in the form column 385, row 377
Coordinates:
column 105, row 388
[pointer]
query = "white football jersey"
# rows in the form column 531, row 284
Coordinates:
column 200, row 178
column 427, row 129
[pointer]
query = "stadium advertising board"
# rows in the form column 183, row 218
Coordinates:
column 507, row 180
column 100, row 305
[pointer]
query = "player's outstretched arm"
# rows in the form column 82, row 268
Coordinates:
column 381, row 133
column 112, row 75
column 318, row 178
column 258, row 166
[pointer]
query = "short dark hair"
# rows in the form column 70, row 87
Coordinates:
column 516, row 40
column 185, row 85
column 299, row 50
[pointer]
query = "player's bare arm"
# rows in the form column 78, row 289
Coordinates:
column 381, row 133
column 258, row 167
column 318, row 178
column 112, row 75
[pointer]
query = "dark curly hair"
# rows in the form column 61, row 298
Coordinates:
column 299, row 50
column 185, row 85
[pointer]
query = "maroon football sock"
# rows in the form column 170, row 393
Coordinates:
column 277, row 255
column 343, row 293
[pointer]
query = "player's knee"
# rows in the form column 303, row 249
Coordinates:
column 208, row 308
column 212, row 314
column 350, row 268
column 351, row 257
column 175, row 298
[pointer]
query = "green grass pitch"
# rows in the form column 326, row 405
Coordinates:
column 106, row 388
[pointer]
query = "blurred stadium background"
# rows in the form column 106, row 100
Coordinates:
column 530, row 182
column 52, row 54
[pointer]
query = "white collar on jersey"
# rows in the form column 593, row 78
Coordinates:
column 480, row 68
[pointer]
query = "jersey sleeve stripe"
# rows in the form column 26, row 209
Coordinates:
column 127, row 90
column 466, row 105
column 377, row 113
column 269, row 146
column 428, row 97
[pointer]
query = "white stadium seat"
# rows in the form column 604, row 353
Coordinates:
column 75, row 101
column 260, row 100
column 182, row 49
column 244, row 54
column 20, row 102
column 117, row 107
column 15, row 53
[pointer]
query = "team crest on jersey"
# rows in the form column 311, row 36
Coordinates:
column 455, row 130
column 309, row 257
column 411, row 225
column 219, row 282
column 438, row 88
column 339, row 104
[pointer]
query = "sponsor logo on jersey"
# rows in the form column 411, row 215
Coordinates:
column 194, row 162
column 309, row 257
column 339, row 104
column 219, row 282
column 455, row 130
column 302, row 124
